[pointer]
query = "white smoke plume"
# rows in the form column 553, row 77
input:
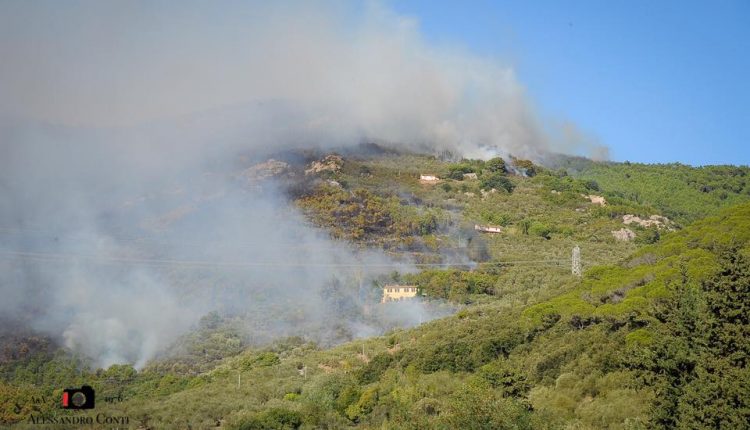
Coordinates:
column 348, row 72
column 120, row 127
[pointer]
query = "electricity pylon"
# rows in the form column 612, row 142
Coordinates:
column 576, row 261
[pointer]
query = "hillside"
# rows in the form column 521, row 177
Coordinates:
column 374, row 214
column 379, row 201
column 655, row 325
column 683, row 193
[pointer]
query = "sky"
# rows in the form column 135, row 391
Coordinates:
column 652, row 81
column 656, row 81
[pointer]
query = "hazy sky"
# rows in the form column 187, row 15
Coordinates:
column 655, row 80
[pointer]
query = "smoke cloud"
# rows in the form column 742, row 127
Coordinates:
column 348, row 72
column 122, row 216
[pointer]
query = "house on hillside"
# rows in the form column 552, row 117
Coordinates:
column 393, row 293
column 488, row 228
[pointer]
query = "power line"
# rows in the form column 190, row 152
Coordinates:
column 195, row 244
column 63, row 257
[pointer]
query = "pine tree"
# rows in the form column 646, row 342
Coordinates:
column 698, row 363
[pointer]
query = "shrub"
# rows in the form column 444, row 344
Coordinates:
column 495, row 165
column 525, row 166
column 372, row 370
column 497, row 181
column 276, row 418
column 650, row 235
column 457, row 172
column 263, row 359
column 539, row 229
column 524, row 226
column 348, row 396
column 502, row 219
column 364, row 405
column 591, row 185
column 478, row 408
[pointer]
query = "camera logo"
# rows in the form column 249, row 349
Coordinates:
column 78, row 398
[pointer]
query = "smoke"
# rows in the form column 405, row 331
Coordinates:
column 340, row 72
column 118, row 265
column 570, row 139
column 122, row 218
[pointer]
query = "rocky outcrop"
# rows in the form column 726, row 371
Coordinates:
column 624, row 234
column 597, row 200
column 428, row 179
column 331, row 163
column 657, row 221
column 265, row 170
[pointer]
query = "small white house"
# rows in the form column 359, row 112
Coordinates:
column 488, row 228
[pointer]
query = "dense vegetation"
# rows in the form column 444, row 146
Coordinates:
column 684, row 193
column 654, row 335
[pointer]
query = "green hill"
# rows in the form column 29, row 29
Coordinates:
column 681, row 192
column 654, row 335
column 617, row 349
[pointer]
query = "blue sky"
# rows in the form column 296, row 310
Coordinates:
column 656, row 81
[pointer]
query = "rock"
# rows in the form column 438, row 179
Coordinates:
column 485, row 193
column 624, row 234
column 470, row 176
column 428, row 179
column 597, row 200
column 331, row 163
column 657, row 221
column 264, row 170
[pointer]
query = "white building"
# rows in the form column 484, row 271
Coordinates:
column 392, row 293
column 488, row 228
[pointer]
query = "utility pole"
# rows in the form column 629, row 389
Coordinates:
column 358, row 275
column 576, row 262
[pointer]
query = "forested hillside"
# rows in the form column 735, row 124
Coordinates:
column 653, row 335
column 684, row 193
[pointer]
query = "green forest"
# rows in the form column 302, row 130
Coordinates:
column 655, row 334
